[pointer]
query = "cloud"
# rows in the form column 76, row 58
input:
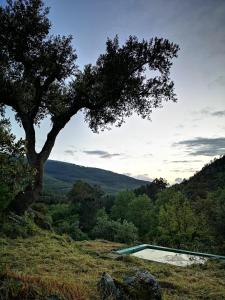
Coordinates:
column 204, row 146
column 101, row 153
column 147, row 155
column 143, row 177
column 209, row 112
column 178, row 180
column 185, row 161
column 180, row 126
column 219, row 81
column 190, row 170
column 70, row 152
column 127, row 174
column 219, row 113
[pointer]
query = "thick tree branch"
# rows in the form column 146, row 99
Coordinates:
column 50, row 141
column 30, row 138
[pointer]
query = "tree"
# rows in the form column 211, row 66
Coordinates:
column 178, row 223
column 141, row 213
column 88, row 200
column 39, row 79
column 15, row 173
column 121, row 205
column 213, row 208
column 153, row 188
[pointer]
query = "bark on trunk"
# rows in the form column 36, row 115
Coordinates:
column 36, row 160
column 23, row 200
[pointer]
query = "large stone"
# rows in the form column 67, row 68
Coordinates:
column 143, row 286
column 140, row 286
column 107, row 287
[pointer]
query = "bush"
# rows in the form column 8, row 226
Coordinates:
column 126, row 232
column 72, row 229
column 66, row 220
column 116, row 231
column 19, row 226
column 15, row 173
column 6, row 196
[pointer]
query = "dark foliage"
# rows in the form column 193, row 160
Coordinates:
column 39, row 78
column 15, row 173
column 209, row 179
column 87, row 198
column 151, row 189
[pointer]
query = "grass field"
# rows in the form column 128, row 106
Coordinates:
column 58, row 265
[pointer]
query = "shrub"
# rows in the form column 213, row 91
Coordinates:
column 117, row 231
column 19, row 226
column 66, row 220
column 72, row 229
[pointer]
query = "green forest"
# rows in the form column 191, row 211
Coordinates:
column 190, row 215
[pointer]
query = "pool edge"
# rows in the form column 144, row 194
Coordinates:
column 137, row 248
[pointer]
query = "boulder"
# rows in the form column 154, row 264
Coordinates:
column 139, row 286
column 107, row 288
column 142, row 285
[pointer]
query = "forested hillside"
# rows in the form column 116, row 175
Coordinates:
column 60, row 176
column 210, row 178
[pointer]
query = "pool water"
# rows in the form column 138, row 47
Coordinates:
column 178, row 259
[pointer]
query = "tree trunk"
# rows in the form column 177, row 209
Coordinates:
column 36, row 160
column 23, row 200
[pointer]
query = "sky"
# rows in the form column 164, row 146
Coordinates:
column 181, row 137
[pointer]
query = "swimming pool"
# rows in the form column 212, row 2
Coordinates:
column 171, row 256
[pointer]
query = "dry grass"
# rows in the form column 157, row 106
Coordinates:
column 72, row 269
column 22, row 286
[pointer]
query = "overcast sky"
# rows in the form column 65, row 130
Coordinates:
column 182, row 136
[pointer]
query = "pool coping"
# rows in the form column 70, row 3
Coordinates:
column 134, row 249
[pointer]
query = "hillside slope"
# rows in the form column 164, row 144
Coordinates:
column 50, row 263
column 210, row 178
column 60, row 176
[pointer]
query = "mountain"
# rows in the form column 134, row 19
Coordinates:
column 209, row 179
column 60, row 176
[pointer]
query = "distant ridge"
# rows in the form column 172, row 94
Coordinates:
column 60, row 176
column 210, row 178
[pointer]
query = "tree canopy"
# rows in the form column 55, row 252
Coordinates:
column 39, row 77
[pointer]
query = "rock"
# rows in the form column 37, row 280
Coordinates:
column 143, row 286
column 107, row 287
column 140, row 286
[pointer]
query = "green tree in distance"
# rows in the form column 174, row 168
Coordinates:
column 214, row 209
column 178, row 223
column 121, row 205
column 141, row 213
column 153, row 188
column 39, row 79
column 88, row 201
